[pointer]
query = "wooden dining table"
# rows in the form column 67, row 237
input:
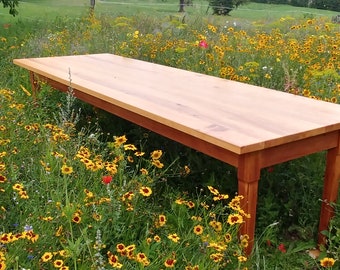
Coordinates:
column 247, row 126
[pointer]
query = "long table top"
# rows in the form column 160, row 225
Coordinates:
column 235, row 116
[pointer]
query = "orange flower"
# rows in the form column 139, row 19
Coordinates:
column 327, row 262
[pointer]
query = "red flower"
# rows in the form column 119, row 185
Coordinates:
column 106, row 179
column 270, row 169
column 282, row 248
column 203, row 44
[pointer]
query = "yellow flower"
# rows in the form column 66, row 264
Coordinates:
column 235, row 219
column 18, row 187
column 59, row 231
column 46, row 257
column 130, row 147
column 216, row 257
column 216, row 225
column 157, row 238
column 327, row 262
column 58, row 263
column 198, row 229
column 156, row 154
column 157, row 164
column 174, row 237
column 141, row 257
column 145, row 191
column 144, row 171
column 66, row 169
column 190, row 204
column 139, row 154
column 120, row 140
column 76, row 218
column 170, row 263
column 213, row 190
column 161, row 220
column 228, row 238
column 242, row 258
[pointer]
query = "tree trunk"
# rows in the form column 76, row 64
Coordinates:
column 181, row 6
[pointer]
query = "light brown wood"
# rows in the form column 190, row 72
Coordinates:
column 247, row 126
column 330, row 191
column 239, row 117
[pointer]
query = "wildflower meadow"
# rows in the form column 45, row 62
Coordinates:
column 81, row 189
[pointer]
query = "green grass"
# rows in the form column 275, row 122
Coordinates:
column 48, row 10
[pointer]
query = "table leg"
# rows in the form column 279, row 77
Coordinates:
column 34, row 83
column 330, row 190
column 248, row 177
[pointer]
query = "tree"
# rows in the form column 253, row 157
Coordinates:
column 181, row 6
column 223, row 7
column 12, row 4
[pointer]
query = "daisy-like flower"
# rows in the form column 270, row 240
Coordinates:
column 141, row 258
column 76, row 218
column 216, row 225
column 327, row 262
column 157, row 238
column 161, row 220
column 120, row 248
column 130, row 147
column 66, row 169
column 235, row 219
column 213, row 190
column 139, row 154
column 228, row 238
column 198, row 229
column 156, row 154
column 128, row 196
column 145, row 191
column 58, row 263
column 47, row 256
column 113, row 260
column 221, row 197
column 120, row 140
column 59, row 231
column 170, row 263
column 144, row 171
column 242, row 258
column 18, row 187
column 235, row 203
column 157, row 164
column 174, row 237
column 190, row 204
column 216, row 257
column 3, row 178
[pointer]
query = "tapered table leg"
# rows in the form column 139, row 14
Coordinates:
column 248, row 177
column 34, row 83
column 330, row 190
